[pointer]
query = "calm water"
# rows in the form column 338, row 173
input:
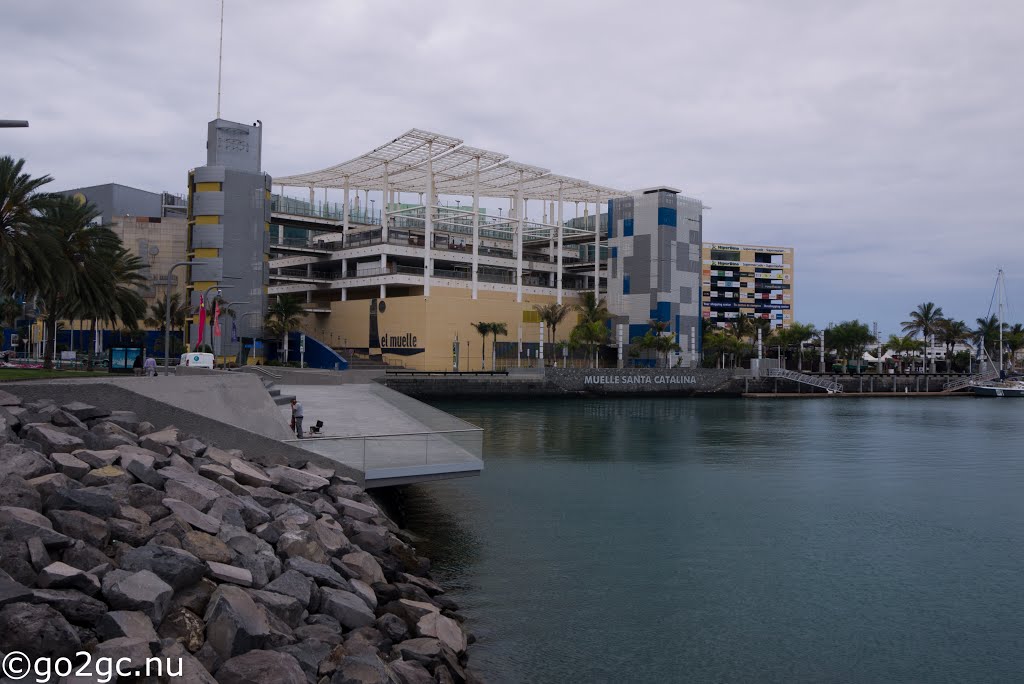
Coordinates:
column 851, row 540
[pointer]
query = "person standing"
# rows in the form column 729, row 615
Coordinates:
column 137, row 366
column 297, row 416
column 150, row 366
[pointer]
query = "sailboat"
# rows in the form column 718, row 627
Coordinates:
column 1001, row 387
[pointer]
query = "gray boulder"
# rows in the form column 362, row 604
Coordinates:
column 206, row 547
column 38, row 630
column 97, row 458
column 309, row 653
column 81, row 525
column 249, row 474
column 364, row 566
column 261, row 666
column 107, row 475
column 22, row 523
column 25, row 463
column 141, row 590
column 63, row 576
column 293, row 481
column 83, row 411
column 322, row 574
column 285, row 607
column 15, row 492
column 191, row 515
column 294, row 584
column 356, row 510
column 78, row 608
column 70, row 465
column 98, row 502
column 347, row 608
column 13, row 592
column 129, row 653
column 176, row 567
column 51, row 439
column 361, row 669
column 411, row 672
column 188, row 668
column 222, row 572
column 126, row 623
column 234, row 623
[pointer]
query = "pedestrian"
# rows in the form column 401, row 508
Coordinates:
column 297, row 417
column 150, row 366
column 137, row 366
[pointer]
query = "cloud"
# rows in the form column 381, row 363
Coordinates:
column 882, row 140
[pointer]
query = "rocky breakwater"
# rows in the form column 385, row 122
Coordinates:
column 124, row 541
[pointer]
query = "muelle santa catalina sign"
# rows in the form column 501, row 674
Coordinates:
column 638, row 380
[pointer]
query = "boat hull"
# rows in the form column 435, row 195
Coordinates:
column 993, row 391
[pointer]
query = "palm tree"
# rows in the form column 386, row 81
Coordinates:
column 849, row 339
column 742, row 327
column 657, row 341
column 484, row 329
column 924, row 321
column 24, row 236
column 952, row 333
column 283, row 317
column 211, row 310
column 592, row 309
column 496, row 329
column 552, row 315
column 158, row 313
column 1013, row 339
column 10, row 310
column 80, row 261
column 986, row 335
column 591, row 331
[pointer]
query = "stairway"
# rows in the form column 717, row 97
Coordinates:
column 803, row 378
column 267, row 377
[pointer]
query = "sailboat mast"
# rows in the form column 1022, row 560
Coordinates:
column 1002, row 297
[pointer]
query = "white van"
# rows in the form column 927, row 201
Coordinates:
column 197, row 360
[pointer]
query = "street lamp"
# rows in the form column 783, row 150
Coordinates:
column 167, row 314
column 373, row 209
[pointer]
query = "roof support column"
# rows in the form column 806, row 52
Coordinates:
column 476, row 224
column 384, row 197
column 312, row 202
column 597, row 248
column 519, row 239
column 428, row 229
column 345, row 212
column 559, row 224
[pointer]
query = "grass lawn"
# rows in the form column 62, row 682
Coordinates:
column 9, row 374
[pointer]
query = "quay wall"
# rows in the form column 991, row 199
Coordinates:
column 611, row 382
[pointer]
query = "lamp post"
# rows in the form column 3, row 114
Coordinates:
column 206, row 296
column 167, row 315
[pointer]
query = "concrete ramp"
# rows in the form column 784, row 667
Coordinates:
column 393, row 439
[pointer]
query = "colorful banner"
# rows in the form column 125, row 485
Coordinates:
column 202, row 321
column 216, row 319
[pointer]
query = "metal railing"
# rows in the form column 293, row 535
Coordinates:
column 370, row 453
column 970, row 381
column 826, row 384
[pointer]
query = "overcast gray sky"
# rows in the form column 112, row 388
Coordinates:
column 880, row 139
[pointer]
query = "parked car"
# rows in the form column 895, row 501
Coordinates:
column 197, row 360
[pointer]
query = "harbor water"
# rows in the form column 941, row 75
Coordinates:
column 737, row 540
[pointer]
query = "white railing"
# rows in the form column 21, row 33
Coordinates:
column 824, row 383
column 970, row 380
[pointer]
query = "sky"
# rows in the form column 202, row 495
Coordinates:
column 882, row 140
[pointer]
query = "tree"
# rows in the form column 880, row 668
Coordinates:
column 986, row 335
column 496, row 329
column 656, row 340
column 793, row 337
column 484, row 329
column 901, row 347
column 1013, row 339
column 10, row 310
column 721, row 344
column 952, row 333
column 552, row 315
column 24, row 236
column 591, row 331
column 80, row 261
column 850, row 339
column 924, row 321
column 158, row 313
column 742, row 327
column 284, row 316
column 590, row 335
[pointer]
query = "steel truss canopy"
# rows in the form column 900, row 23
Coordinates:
column 403, row 165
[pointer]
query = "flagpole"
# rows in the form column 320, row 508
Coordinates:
column 220, row 55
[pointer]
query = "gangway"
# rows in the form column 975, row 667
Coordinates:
column 970, row 381
column 827, row 385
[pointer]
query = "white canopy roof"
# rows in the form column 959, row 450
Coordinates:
column 454, row 167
